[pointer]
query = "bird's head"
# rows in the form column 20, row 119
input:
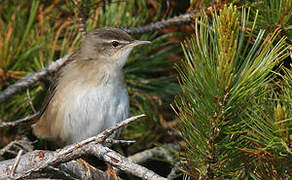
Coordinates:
column 110, row 45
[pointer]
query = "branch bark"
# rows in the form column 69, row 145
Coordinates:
column 76, row 170
column 39, row 160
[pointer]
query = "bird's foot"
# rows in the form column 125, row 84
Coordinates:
column 111, row 172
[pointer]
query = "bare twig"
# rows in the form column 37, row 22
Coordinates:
column 7, row 148
column 14, row 123
column 23, row 144
column 162, row 152
column 110, row 141
column 174, row 21
column 17, row 159
column 32, row 78
column 30, row 101
column 106, row 133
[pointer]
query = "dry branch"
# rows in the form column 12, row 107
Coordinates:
column 16, row 122
column 38, row 160
column 32, row 78
column 79, row 171
column 174, row 21
column 123, row 163
column 156, row 152
column 16, row 145
column 17, row 159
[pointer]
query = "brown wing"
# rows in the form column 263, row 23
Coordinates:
column 42, row 127
column 52, row 88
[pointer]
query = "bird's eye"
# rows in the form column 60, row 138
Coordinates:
column 115, row 43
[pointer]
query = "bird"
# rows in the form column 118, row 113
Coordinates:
column 89, row 93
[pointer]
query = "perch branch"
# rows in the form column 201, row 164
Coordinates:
column 106, row 133
column 39, row 160
column 123, row 163
column 79, row 171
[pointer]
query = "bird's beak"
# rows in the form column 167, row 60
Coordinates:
column 139, row 42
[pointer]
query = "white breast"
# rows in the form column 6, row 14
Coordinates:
column 89, row 111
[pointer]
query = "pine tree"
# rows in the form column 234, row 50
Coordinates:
column 235, row 107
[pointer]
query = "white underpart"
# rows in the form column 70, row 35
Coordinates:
column 94, row 110
column 89, row 111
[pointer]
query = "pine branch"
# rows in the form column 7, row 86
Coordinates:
column 226, row 107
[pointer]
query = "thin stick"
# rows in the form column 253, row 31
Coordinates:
column 7, row 147
column 103, row 135
column 174, row 21
column 110, row 141
column 32, row 78
column 17, row 159
column 30, row 101
column 14, row 123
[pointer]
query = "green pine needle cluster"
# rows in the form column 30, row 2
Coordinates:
column 233, row 113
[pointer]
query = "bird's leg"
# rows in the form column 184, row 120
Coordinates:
column 110, row 171
column 88, row 166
